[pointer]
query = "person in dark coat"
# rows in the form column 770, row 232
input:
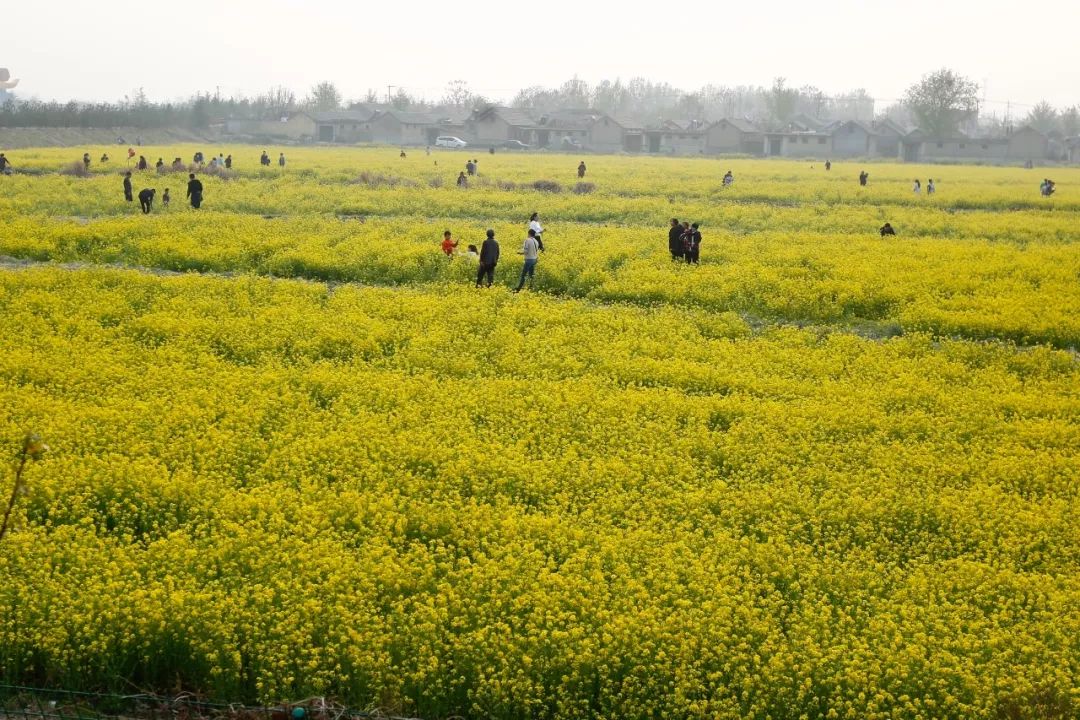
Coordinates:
column 194, row 191
column 489, row 258
column 146, row 199
column 127, row 187
column 674, row 239
column 693, row 246
column 887, row 229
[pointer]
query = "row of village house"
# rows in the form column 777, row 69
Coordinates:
column 598, row 132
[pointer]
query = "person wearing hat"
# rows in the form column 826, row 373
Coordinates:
column 489, row 258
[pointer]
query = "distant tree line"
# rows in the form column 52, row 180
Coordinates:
column 940, row 103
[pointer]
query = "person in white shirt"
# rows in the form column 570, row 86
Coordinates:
column 531, row 252
column 534, row 227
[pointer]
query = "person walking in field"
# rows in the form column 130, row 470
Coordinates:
column 532, row 253
column 674, row 239
column 127, row 187
column 448, row 244
column 538, row 230
column 581, row 170
column 887, row 229
column 194, row 191
column 146, row 199
column 489, row 258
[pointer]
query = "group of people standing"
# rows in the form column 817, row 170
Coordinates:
column 684, row 241
column 264, row 159
column 488, row 254
column 146, row 195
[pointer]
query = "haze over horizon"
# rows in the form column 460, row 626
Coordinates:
column 73, row 50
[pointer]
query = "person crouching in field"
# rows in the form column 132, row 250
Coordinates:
column 489, row 258
column 448, row 244
column 531, row 251
column 146, row 199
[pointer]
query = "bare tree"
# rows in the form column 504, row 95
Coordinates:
column 941, row 101
column 781, row 101
column 1070, row 120
column 402, row 100
column 324, row 96
column 1043, row 117
column 458, row 95
column 277, row 101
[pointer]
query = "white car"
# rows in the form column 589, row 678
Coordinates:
column 449, row 141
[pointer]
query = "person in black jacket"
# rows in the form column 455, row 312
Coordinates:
column 127, row 187
column 489, row 258
column 146, row 199
column 693, row 248
column 194, row 191
column 674, row 239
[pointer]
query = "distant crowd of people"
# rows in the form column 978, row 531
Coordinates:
column 684, row 238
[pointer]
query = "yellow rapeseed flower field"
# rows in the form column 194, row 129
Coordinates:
column 292, row 451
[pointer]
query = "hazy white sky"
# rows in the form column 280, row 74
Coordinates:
column 62, row 49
